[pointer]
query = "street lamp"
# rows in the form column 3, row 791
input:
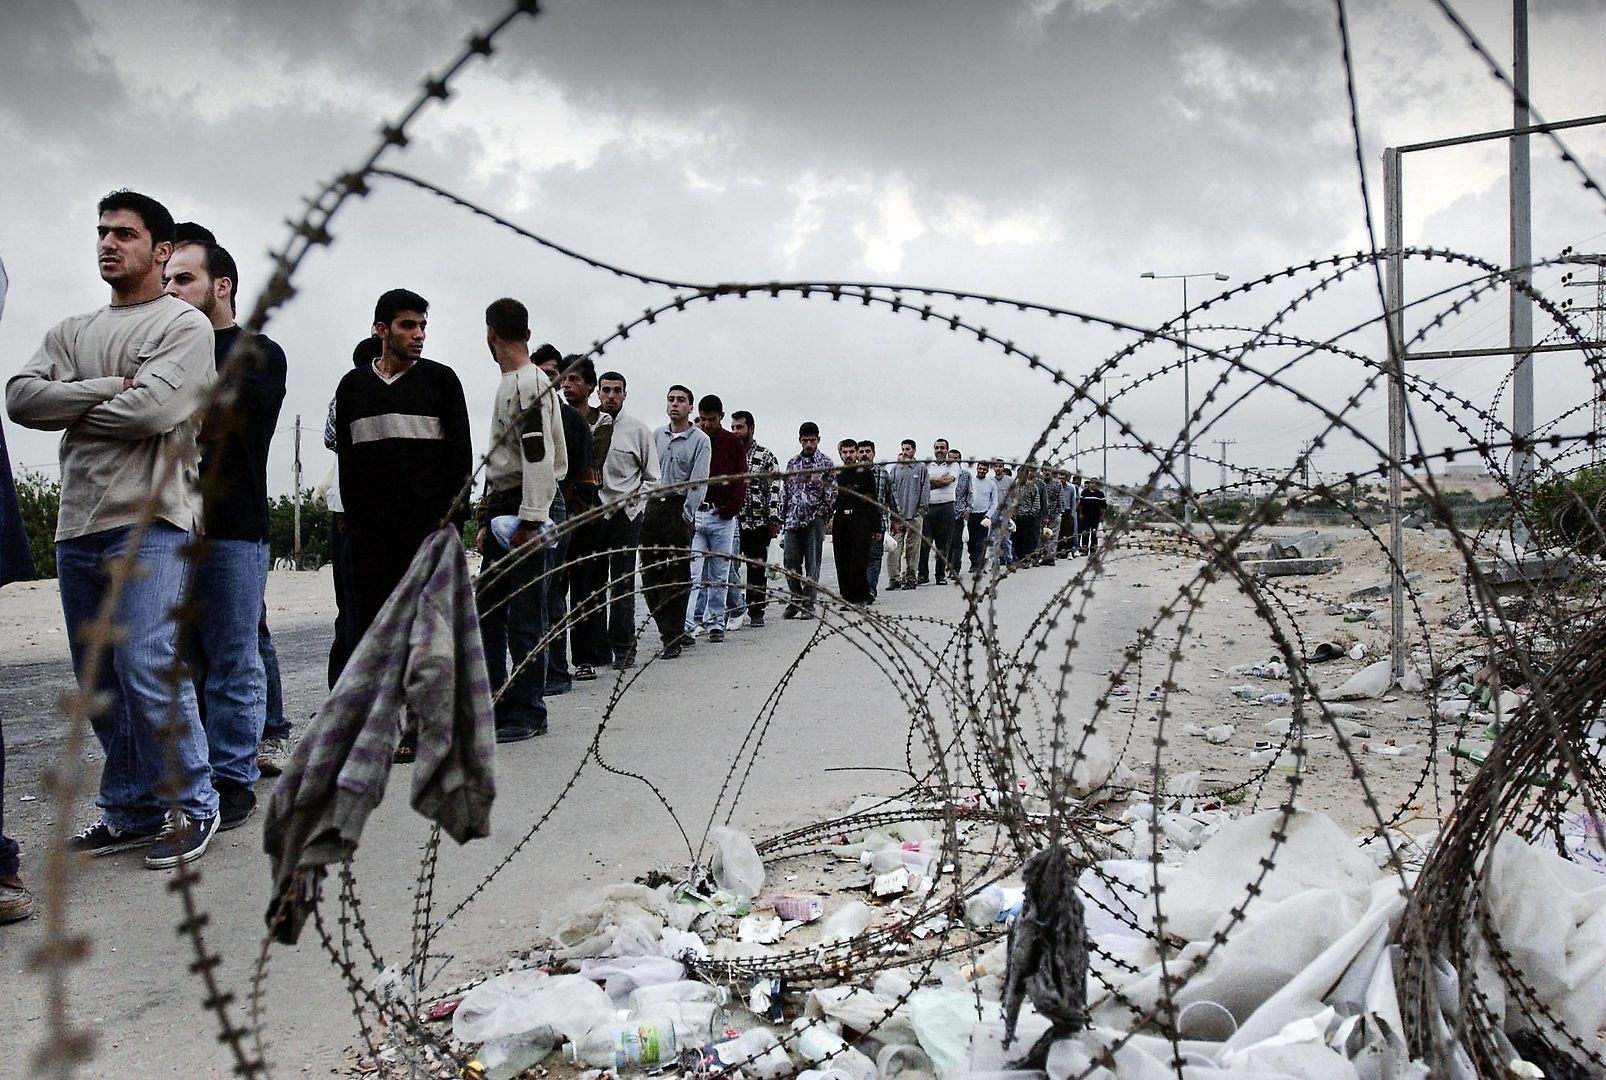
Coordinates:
column 1187, row 403
column 1107, row 380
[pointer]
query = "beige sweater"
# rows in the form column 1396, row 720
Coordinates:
column 119, row 445
column 505, row 467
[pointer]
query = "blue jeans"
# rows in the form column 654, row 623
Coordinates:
column 230, row 577
column 712, row 539
column 145, row 750
column 512, row 600
column 275, row 726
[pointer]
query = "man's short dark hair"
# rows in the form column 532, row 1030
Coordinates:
column 847, row 442
column 189, row 232
column 955, row 450
column 745, row 417
column 711, row 404
column 683, row 389
column 866, row 444
column 808, row 429
column 612, row 376
column 939, row 439
column 396, row 301
column 508, row 319
column 907, row 442
column 545, row 353
column 158, row 222
column 584, row 366
column 219, row 263
column 367, row 351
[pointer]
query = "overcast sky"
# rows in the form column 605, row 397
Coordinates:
column 1050, row 151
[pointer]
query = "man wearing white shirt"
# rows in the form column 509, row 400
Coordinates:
column 939, row 524
column 983, row 511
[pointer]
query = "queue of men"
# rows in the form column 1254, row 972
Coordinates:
column 150, row 480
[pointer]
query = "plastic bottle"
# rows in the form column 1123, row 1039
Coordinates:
column 903, row 1060
column 848, row 923
column 994, row 904
column 825, row 1047
column 696, row 1022
column 506, row 1057
column 1244, row 692
column 641, row 1043
column 757, row 1053
column 644, row 997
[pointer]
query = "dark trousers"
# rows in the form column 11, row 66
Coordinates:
column 620, row 538
column 510, row 595
column 754, row 544
column 588, row 599
column 666, row 565
column 345, row 606
column 938, row 535
column 957, row 542
column 850, row 545
column 8, row 846
column 380, row 553
column 275, row 726
column 1068, row 533
column 557, row 599
column 978, row 543
column 1028, row 534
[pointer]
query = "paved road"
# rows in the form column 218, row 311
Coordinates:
column 840, row 730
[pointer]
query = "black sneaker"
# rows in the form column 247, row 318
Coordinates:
column 669, row 651
column 234, row 804
column 755, row 618
column 515, row 732
column 790, row 612
column 716, row 635
column 584, row 673
column 102, row 839
column 625, row 661
column 184, row 840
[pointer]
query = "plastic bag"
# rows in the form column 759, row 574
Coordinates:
column 522, row 1001
column 1372, row 681
column 737, row 866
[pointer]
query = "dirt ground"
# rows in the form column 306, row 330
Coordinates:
column 839, row 729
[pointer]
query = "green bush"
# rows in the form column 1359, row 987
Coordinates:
column 40, row 500
column 1571, row 510
column 314, row 530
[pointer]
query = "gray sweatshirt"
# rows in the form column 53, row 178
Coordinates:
column 120, row 446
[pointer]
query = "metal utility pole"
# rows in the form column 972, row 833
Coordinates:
column 1394, row 302
column 1224, row 443
column 1522, row 313
column 296, row 554
column 1187, row 400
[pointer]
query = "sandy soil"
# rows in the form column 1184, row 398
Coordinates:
column 839, row 730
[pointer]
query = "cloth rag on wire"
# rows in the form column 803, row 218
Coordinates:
column 420, row 666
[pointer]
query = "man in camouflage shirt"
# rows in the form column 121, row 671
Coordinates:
column 758, row 523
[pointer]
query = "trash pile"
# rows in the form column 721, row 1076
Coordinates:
column 893, row 943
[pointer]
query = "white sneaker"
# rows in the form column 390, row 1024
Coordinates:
column 695, row 631
column 737, row 623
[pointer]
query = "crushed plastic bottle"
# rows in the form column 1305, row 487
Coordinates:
column 757, row 1053
column 644, row 997
column 510, row 1055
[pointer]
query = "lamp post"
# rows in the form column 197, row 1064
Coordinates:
column 1105, row 468
column 1187, row 402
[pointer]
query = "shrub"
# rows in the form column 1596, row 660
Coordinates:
column 39, row 498
column 1571, row 510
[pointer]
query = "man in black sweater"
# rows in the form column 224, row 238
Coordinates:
column 232, row 570
column 401, row 434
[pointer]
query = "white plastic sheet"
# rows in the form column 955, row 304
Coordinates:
column 522, row 1001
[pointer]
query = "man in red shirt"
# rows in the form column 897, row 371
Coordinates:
column 714, row 530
